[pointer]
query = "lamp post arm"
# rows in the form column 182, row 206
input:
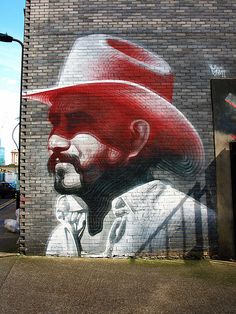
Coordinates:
column 20, row 42
column 12, row 136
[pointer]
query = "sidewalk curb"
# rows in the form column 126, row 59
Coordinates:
column 3, row 254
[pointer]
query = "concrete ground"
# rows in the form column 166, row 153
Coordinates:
column 70, row 285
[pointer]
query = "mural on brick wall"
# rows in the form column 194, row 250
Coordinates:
column 113, row 120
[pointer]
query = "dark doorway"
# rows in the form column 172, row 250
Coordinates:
column 232, row 146
column 223, row 93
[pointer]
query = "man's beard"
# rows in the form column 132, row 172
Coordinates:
column 63, row 166
column 92, row 193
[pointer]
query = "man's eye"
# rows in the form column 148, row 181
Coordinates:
column 76, row 118
column 54, row 119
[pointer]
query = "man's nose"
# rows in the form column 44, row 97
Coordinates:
column 57, row 143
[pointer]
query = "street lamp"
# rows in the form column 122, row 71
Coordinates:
column 8, row 39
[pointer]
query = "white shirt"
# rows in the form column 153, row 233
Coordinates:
column 153, row 218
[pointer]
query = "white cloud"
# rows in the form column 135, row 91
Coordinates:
column 8, row 81
column 11, row 82
column 10, row 59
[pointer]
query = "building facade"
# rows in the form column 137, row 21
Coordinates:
column 117, row 138
column 2, row 155
column 14, row 157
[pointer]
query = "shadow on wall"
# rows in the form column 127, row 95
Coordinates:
column 197, row 251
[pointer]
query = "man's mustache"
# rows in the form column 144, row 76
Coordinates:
column 56, row 158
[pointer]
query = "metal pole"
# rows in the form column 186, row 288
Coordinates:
column 21, row 78
column 12, row 136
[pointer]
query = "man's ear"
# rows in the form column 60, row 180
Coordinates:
column 140, row 134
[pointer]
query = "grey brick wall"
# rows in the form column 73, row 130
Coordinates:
column 197, row 39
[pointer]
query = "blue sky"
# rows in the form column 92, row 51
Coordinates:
column 12, row 23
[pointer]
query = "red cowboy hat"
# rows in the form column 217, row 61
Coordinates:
column 106, row 75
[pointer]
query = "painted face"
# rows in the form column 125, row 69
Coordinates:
column 77, row 156
column 81, row 159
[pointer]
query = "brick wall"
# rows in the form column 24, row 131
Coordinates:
column 195, row 38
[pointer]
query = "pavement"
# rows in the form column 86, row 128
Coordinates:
column 80, row 285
